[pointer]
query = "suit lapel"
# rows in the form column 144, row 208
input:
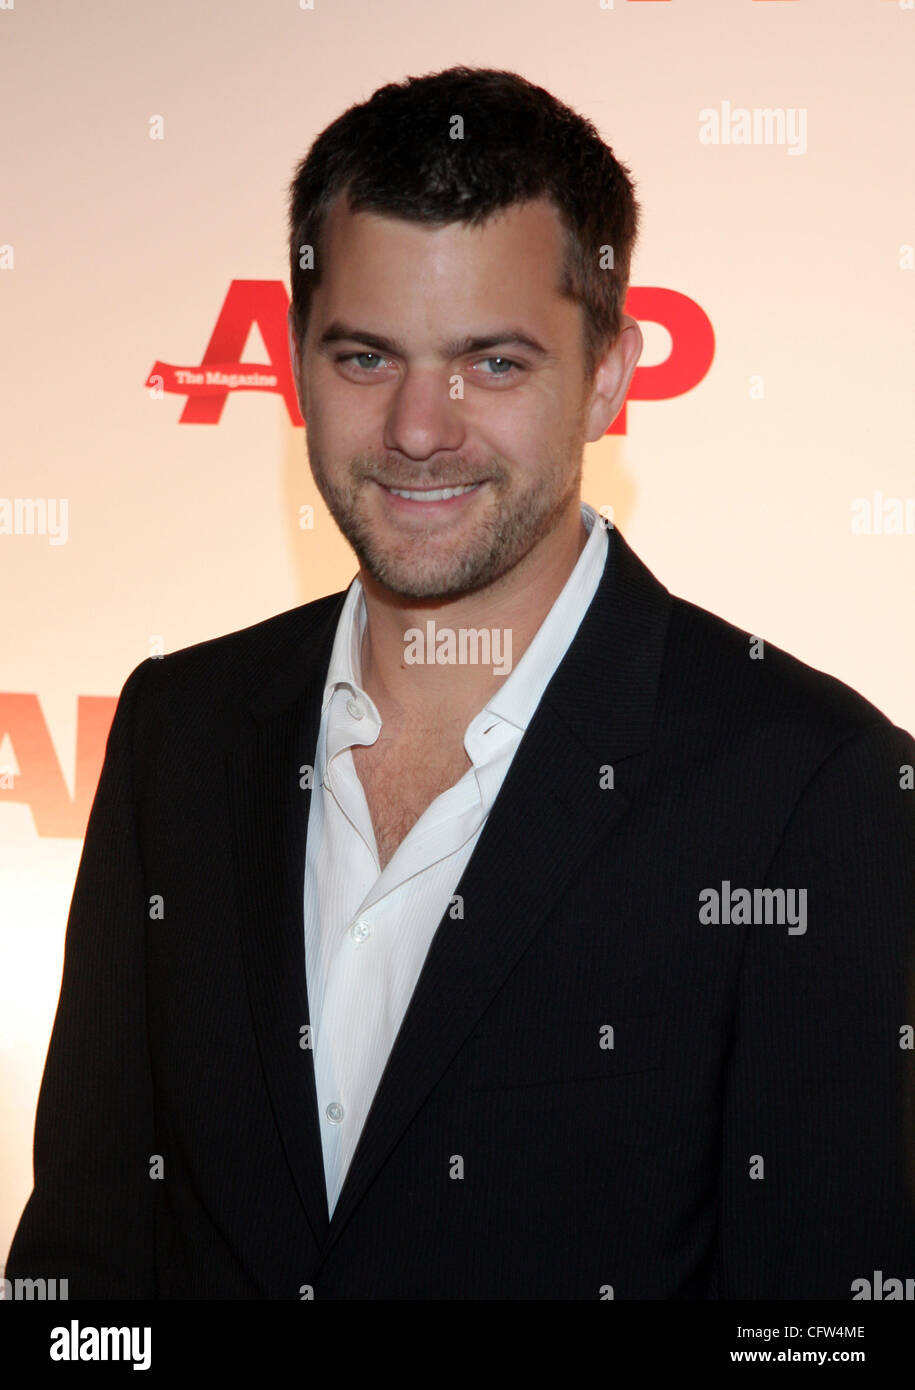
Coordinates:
column 274, row 740
column 548, row 816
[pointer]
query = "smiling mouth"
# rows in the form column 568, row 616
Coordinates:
column 431, row 494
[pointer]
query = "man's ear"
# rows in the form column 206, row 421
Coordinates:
column 295, row 360
column 611, row 380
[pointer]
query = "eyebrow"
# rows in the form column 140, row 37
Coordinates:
column 458, row 347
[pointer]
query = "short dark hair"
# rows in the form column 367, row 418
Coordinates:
column 394, row 155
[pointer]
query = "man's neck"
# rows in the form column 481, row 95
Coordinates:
column 417, row 696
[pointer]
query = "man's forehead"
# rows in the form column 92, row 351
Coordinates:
column 389, row 282
column 534, row 220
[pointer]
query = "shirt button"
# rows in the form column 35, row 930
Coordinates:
column 334, row 1112
column 355, row 709
column 360, row 930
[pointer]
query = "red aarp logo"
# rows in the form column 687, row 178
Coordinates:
column 265, row 303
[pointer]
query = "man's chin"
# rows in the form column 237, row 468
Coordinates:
column 419, row 567
column 423, row 585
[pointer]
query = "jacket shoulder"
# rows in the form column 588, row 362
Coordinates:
column 733, row 677
column 222, row 671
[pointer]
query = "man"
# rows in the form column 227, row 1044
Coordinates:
column 502, row 927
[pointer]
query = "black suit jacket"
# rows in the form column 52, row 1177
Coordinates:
column 748, row 1134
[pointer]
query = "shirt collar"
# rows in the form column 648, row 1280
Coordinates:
column 516, row 700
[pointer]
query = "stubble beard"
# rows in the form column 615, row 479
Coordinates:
column 422, row 564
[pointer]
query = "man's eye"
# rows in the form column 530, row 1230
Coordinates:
column 368, row 361
column 505, row 361
column 353, row 356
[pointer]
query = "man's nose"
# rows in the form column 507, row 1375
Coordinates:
column 423, row 417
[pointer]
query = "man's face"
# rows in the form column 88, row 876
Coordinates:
column 396, row 395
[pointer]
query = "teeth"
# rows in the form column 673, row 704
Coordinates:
column 435, row 495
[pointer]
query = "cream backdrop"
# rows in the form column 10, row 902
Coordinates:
column 118, row 249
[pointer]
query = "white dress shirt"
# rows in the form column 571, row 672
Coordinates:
column 367, row 931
